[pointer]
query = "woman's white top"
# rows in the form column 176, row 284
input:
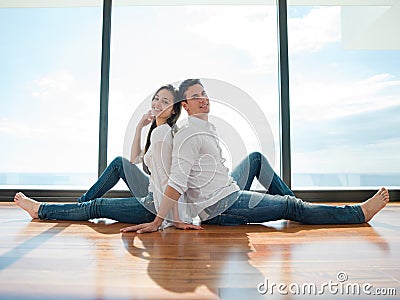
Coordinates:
column 158, row 159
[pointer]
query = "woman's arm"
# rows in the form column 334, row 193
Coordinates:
column 146, row 119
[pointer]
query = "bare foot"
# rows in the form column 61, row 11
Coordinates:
column 29, row 205
column 374, row 204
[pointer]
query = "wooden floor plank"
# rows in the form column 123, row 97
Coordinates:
column 92, row 260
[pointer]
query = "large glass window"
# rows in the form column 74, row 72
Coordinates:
column 153, row 45
column 49, row 95
column 345, row 94
column 344, row 84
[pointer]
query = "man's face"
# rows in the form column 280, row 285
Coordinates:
column 197, row 100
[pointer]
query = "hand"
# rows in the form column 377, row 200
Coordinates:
column 186, row 226
column 142, row 228
column 146, row 119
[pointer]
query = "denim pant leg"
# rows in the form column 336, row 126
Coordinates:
column 135, row 179
column 127, row 210
column 257, row 165
column 253, row 207
column 245, row 172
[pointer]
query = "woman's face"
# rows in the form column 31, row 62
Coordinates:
column 162, row 104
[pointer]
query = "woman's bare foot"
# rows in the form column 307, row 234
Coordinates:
column 374, row 204
column 29, row 205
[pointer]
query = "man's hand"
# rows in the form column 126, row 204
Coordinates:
column 185, row 226
column 142, row 228
column 153, row 226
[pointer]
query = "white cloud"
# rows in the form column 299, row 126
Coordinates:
column 56, row 129
column 315, row 30
column 324, row 98
column 368, row 159
column 251, row 29
column 53, row 84
column 18, row 129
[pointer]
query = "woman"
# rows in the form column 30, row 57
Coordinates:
column 165, row 111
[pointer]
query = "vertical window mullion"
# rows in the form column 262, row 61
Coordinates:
column 104, row 86
column 284, row 91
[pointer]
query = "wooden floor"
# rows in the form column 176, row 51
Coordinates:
column 92, row 260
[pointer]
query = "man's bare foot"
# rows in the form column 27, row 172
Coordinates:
column 29, row 205
column 374, row 204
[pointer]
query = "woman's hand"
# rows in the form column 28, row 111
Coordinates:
column 142, row 228
column 146, row 119
column 186, row 226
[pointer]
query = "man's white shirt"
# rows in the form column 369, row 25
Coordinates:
column 197, row 169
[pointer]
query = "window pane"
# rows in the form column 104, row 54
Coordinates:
column 345, row 95
column 49, row 91
column 154, row 45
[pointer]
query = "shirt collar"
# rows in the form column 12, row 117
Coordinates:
column 200, row 123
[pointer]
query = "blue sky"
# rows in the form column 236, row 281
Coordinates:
column 50, row 65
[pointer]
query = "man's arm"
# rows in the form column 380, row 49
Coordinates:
column 170, row 199
column 182, row 162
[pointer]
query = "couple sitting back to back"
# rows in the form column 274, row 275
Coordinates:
column 184, row 177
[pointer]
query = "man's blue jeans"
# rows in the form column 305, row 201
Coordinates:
column 257, row 166
column 247, row 207
column 254, row 207
column 278, row 203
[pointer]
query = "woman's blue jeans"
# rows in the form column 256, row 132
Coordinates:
column 91, row 205
column 120, row 168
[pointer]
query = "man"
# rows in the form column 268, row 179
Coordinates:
column 197, row 171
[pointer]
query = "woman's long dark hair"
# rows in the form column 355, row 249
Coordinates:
column 170, row 121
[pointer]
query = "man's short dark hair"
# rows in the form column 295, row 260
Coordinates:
column 185, row 85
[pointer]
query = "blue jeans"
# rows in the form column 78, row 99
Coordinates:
column 119, row 168
column 256, row 165
column 137, row 209
column 278, row 203
column 254, row 207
